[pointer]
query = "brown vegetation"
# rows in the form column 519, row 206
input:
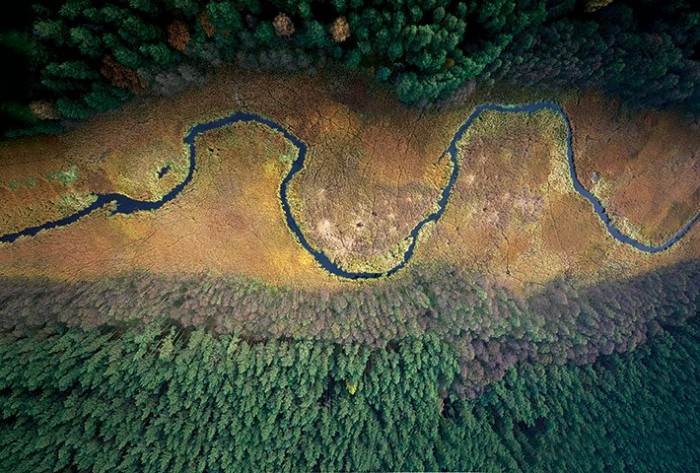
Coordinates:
column 44, row 110
column 646, row 165
column 513, row 214
column 283, row 25
column 178, row 35
column 206, row 24
column 121, row 76
column 340, row 29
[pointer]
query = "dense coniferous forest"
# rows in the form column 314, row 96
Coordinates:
column 165, row 398
column 84, row 56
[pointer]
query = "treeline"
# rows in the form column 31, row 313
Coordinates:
column 645, row 52
column 88, row 56
column 166, row 398
column 490, row 328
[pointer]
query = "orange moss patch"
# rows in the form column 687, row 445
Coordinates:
column 572, row 231
column 227, row 219
column 515, row 215
column 648, row 166
column 361, row 194
column 28, row 193
column 500, row 200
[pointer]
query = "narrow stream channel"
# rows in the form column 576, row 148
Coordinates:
column 126, row 205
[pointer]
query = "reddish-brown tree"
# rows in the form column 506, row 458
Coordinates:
column 121, row 76
column 178, row 35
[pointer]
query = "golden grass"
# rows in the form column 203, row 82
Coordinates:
column 372, row 172
column 359, row 196
column 648, row 164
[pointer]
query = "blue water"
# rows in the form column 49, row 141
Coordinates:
column 126, row 205
column 163, row 171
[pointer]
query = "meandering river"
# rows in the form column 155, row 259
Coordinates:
column 126, row 205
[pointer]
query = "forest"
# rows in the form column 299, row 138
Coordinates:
column 75, row 58
column 490, row 328
column 162, row 397
column 441, row 368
